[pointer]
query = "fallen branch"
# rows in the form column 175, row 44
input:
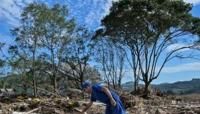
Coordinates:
column 36, row 109
column 78, row 110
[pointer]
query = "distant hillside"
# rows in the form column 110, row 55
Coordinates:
column 128, row 86
column 181, row 87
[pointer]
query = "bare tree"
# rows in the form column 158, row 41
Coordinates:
column 112, row 62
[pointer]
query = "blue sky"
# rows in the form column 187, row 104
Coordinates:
column 89, row 13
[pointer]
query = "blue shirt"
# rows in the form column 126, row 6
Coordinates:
column 99, row 95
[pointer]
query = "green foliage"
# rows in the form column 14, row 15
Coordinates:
column 78, row 54
column 41, row 38
column 2, row 60
column 147, row 28
column 45, row 38
column 1, row 44
column 147, row 20
column 2, row 63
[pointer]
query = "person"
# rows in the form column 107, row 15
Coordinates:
column 102, row 94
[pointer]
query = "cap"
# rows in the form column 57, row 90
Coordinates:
column 86, row 84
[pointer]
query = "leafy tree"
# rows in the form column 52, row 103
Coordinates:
column 22, row 58
column 44, row 32
column 27, row 38
column 148, row 28
column 56, row 35
column 2, row 61
column 79, row 54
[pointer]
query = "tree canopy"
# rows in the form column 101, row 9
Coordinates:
column 148, row 28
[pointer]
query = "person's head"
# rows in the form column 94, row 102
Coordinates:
column 87, row 87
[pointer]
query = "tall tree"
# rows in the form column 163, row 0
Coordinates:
column 26, row 42
column 56, row 31
column 44, row 32
column 149, row 28
column 2, row 62
column 112, row 62
column 21, row 63
column 79, row 54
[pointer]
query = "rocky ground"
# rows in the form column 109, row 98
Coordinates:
column 189, row 104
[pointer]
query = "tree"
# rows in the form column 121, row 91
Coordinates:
column 148, row 28
column 20, row 62
column 28, row 36
column 112, row 62
column 46, row 29
column 79, row 54
column 22, row 59
column 2, row 62
column 56, row 35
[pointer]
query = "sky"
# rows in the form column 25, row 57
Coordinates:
column 90, row 13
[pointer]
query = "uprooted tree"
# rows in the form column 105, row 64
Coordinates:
column 148, row 29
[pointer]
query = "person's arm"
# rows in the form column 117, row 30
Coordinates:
column 87, row 107
column 108, row 93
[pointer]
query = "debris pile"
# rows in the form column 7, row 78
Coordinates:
column 38, row 105
column 133, row 104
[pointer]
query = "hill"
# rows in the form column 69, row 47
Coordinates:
column 180, row 87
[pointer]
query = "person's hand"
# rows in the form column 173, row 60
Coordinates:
column 113, row 102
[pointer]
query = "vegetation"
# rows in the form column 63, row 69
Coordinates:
column 147, row 29
column 51, row 52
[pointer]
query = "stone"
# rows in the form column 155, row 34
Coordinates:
column 160, row 111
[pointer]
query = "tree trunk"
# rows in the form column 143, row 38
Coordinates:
column 113, row 84
column 33, row 72
column 108, row 83
column 34, row 85
column 81, row 79
column 146, row 90
column 119, row 83
column 54, row 84
column 54, row 69
column 135, row 83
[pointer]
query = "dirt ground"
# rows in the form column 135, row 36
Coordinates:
column 189, row 104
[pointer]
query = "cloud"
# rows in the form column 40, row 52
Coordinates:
column 188, row 67
column 10, row 10
column 108, row 6
column 195, row 2
column 6, row 39
column 89, row 12
column 178, row 46
column 86, row 12
column 179, row 68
